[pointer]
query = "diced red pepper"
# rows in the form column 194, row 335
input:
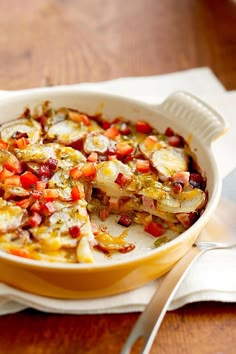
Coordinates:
column 3, row 145
column 28, row 180
column 78, row 117
column 13, row 164
column 123, row 149
column 143, row 165
column 121, row 179
column 111, row 132
column 22, row 142
column 19, row 252
column 143, row 127
column 35, row 220
column 155, row 229
column 88, row 170
column 106, row 125
column 93, row 157
column 74, row 231
column 50, row 194
column 77, row 193
column 24, row 203
column 75, row 173
column 5, row 173
column 12, row 181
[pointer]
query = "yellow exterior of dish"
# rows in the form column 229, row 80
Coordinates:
column 93, row 282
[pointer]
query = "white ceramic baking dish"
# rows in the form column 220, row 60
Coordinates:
column 199, row 124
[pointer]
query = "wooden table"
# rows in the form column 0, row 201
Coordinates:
column 51, row 42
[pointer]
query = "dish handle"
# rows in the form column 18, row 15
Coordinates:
column 192, row 112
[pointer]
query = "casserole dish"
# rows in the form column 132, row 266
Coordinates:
column 186, row 115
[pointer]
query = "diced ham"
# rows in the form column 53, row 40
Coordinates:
column 187, row 219
column 114, row 203
column 125, row 220
column 181, row 177
column 148, row 202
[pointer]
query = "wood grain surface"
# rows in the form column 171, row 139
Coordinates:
column 53, row 42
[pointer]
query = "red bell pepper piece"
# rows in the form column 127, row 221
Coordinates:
column 123, row 149
column 155, row 229
column 3, row 145
column 74, row 231
column 143, row 165
column 75, row 173
column 77, row 193
column 13, row 164
column 12, row 180
column 28, row 180
column 19, row 252
column 50, row 194
column 111, row 132
column 22, row 142
column 143, row 127
column 88, row 170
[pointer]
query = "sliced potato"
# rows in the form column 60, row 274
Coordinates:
column 4, row 155
column 168, row 161
column 23, row 125
column 96, row 142
column 11, row 216
column 66, row 132
column 107, row 173
column 36, row 153
column 84, row 252
column 148, row 149
column 68, row 157
column 190, row 201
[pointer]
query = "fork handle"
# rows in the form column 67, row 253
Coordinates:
column 150, row 320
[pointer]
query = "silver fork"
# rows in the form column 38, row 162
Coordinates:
column 150, row 320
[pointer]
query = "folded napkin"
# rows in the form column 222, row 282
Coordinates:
column 213, row 275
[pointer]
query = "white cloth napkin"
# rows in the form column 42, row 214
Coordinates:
column 213, row 275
